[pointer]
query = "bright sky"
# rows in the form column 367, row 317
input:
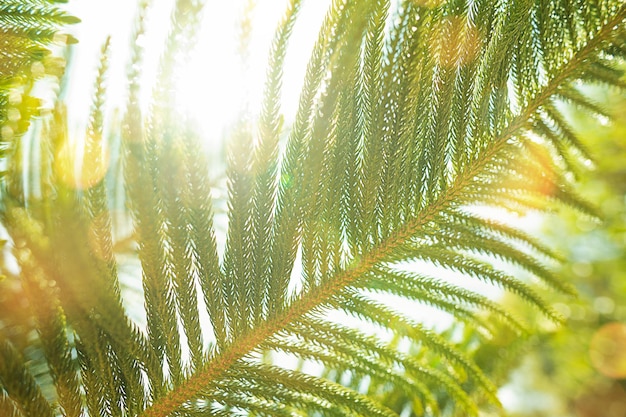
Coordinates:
column 211, row 84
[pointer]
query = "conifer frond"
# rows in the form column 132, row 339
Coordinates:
column 27, row 29
column 19, row 384
column 413, row 117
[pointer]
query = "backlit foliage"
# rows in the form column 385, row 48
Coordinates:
column 27, row 29
column 413, row 118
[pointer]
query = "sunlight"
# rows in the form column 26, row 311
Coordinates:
column 209, row 87
column 221, row 83
column 213, row 104
column 214, row 87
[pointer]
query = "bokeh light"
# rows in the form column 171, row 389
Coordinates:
column 608, row 350
column 94, row 167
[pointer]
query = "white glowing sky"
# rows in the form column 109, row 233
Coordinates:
column 211, row 85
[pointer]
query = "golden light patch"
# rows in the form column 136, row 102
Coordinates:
column 456, row 42
column 545, row 186
column 608, row 350
column 80, row 174
column 543, row 179
column 94, row 168
column 65, row 165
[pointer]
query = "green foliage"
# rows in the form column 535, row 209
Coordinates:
column 413, row 118
column 27, row 29
column 590, row 375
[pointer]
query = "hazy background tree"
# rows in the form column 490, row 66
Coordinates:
column 579, row 370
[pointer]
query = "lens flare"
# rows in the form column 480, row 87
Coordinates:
column 608, row 350
column 94, row 167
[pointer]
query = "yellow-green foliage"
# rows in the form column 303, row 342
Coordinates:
column 412, row 114
column 27, row 29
